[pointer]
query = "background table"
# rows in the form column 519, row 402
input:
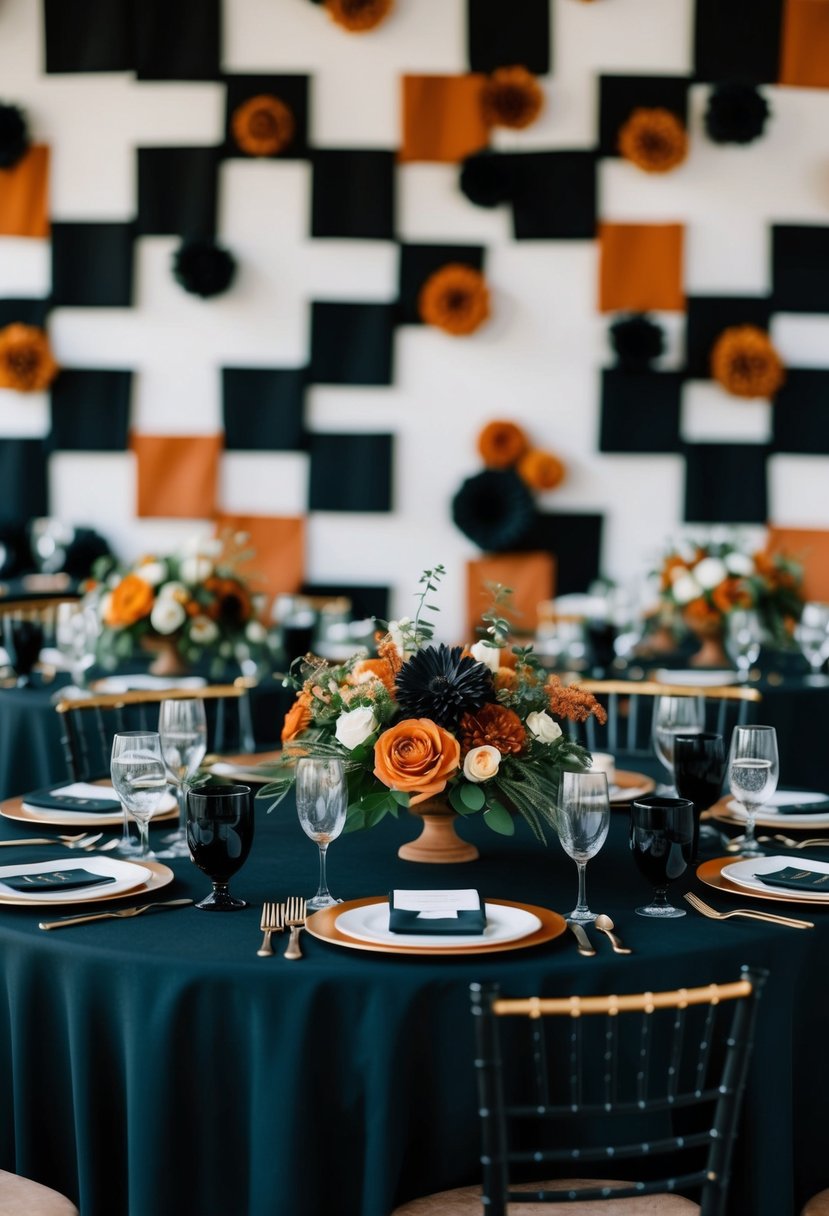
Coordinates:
column 156, row 1066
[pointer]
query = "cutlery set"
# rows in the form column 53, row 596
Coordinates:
column 84, row 841
column 605, row 925
column 278, row 917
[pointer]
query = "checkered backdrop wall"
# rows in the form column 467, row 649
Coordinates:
column 309, row 399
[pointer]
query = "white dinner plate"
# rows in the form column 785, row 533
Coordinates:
column 768, row 816
column 741, row 873
column 370, row 923
column 150, row 683
column 128, row 876
column 87, row 819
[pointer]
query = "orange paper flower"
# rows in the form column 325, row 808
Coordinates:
column 132, row 599
column 26, row 362
column 746, row 364
column 263, row 125
column 511, row 97
column 416, row 756
column 540, row 470
column 654, row 140
column 454, row 299
column 357, row 16
column 298, row 718
column 501, row 444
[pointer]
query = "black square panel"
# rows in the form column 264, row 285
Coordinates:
column 726, row 483
column 178, row 39
column 351, row 472
column 708, row 316
column 353, row 194
column 263, row 408
column 418, row 262
column 92, row 264
column 640, row 411
column 619, row 96
column 575, row 540
column 737, row 39
column 23, row 478
column 800, row 267
column 351, row 343
column 90, row 410
column 177, row 192
column 88, row 35
column 24, row 312
column 292, row 90
column 366, row 602
column 554, row 195
column 801, row 412
column 499, row 39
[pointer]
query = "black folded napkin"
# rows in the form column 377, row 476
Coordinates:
column 793, row 878
column 50, row 800
column 424, row 916
column 52, row 880
column 803, row 808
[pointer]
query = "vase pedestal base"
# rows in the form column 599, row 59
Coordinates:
column 438, row 842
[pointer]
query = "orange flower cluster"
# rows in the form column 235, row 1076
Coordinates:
column 731, row 593
column 387, row 650
column 496, row 726
column 131, row 600
column 454, row 299
column 654, row 140
column 746, row 364
column 357, row 16
column 230, row 600
column 504, row 445
column 416, row 756
column 379, row 669
column 263, row 125
column 572, row 702
column 26, row 362
column 511, row 97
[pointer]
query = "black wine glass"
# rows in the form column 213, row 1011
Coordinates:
column 220, row 834
column 699, row 768
column 23, row 640
column 661, row 840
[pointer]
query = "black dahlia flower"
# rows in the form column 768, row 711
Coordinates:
column 494, row 509
column 438, row 683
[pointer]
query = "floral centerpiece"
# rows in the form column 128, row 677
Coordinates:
column 187, row 608
column 444, row 729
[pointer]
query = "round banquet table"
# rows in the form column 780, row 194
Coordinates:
column 157, row 1067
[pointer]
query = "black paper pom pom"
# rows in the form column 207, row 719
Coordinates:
column 487, row 179
column 14, row 138
column 637, row 341
column 494, row 509
column 736, row 113
column 203, row 268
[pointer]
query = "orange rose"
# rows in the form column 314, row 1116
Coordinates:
column 298, row 718
column 380, row 669
column 416, row 756
column 131, row 600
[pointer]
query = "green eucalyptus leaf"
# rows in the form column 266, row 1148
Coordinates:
column 472, row 796
column 498, row 818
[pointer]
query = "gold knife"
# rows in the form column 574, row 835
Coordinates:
column 585, row 946
column 120, row 914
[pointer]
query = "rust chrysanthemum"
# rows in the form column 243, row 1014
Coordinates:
column 454, row 299
column 746, row 364
column 26, row 362
column 541, row 470
column 357, row 16
column 511, row 97
column 495, row 726
column 654, row 140
column 263, row 125
column 501, row 444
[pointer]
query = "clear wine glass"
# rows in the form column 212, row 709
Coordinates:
column 582, row 822
column 674, row 716
column 743, row 638
column 753, row 771
column 321, row 803
column 138, row 775
column 812, row 636
column 182, row 726
column 75, row 633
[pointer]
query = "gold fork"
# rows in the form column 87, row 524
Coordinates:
column 82, row 841
column 293, row 917
column 271, row 922
column 119, row 914
column 750, row 913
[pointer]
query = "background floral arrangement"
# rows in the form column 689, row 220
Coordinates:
column 196, row 598
column 422, row 720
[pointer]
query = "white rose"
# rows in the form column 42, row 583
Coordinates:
column 203, row 631
column 545, row 729
column 710, row 572
column 196, row 569
column 201, row 544
column 355, row 726
column 174, row 590
column 152, row 572
column 686, row 588
column 481, row 763
column 255, row 632
column 167, row 616
column 105, row 605
column 739, row 564
column 488, row 655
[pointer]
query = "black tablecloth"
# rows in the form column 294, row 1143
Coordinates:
column 156, row 1066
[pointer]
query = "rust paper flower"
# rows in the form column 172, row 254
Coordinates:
column 511, row 97
column 263, row 125
column 357, row 16
column 746, row 364
column 501, row 444
column 26, row 362
column 496, row 726
column 454, row 299
column 653, row 139
column 541, row 470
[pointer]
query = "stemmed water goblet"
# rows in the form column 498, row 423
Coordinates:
column 220, row 835
column 182, row 725
column 582, row 821
column 672, row 716
column 139, row 779
column 743, row 638
column 321, row 803
column 812, row 635
column 661, row 840
column 753, row 772
column 75, row 633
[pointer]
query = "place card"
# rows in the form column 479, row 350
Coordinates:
column 795, row 878
column 51, row 880
column 77, row 796
column 436, row 912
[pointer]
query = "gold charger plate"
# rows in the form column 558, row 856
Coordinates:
column 710, row 872
column 637, row 782
column 721, row 812
column 14, row 809
column 322, row 925
column 243, row 767
column 161, row 876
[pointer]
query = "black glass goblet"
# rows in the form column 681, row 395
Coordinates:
column 23, row 640
column 699, row 768
column 661, row 839
column 220, row 834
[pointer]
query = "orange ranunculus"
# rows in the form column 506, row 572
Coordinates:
column 379, row 669
column 699, row 612
column 298, row 718
column 731, row 593
column 416, row 756
column 131, row 600
column 506, row 677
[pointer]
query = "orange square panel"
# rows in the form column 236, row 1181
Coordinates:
column 640, row 267
column 277, row 563
column 531, row 577
column 810, row 547
column 24, row 195
column 804, row 44
column 442, row 117
column 177, row 475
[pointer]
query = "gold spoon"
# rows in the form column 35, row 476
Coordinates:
column 605, row 925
